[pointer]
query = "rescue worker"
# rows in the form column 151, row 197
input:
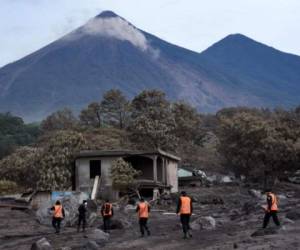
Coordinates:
column 82, row 210
column 107, row 212
column 271, row 209
column 185, row 209
column 58, row 216
column 143, row 210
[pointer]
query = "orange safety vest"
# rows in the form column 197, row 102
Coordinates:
column 58, row 211
column 185, row 207
column 107, row 211
column 274, row 206
column 143, row 210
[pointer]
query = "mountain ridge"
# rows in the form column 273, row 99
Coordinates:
column 109, row 52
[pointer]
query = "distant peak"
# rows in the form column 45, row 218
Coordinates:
column 237, row 36
column 107, row 14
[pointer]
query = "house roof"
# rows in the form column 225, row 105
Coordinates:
column 124, row 153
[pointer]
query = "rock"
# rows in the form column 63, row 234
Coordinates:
column 204, row 223
column 212, row 200
column 121, row 223
column 226, row 179
column 234, row 214
column 98, row 236
column 70, row 204
column 256, row 194
column 249, row 207
column 42, row 244
column 91, row 245
column 293, row 215
column 266, row 231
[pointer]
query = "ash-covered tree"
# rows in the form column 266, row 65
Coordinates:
column 188, row 122
column 115, row 108
column 91, row 116
column 56, row 159
column 152, row 121
column 123, row 175
column 60, row 120
column 253, row 144
column 21, row 167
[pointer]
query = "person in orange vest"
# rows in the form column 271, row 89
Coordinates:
column 143, row 210
column 107, row 212
column 185, row 209
column 271, row 209
column 58, row 216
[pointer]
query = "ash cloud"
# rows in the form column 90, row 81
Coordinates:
column 117, row 28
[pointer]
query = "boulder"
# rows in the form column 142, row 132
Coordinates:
column 234, row 214
column 91, row 245
column 204, row 223
column 120, row 223
column 293, row 215
column 250, row 207
column 70, row 204
column 98, row 236
column 257, row 194
column 41, row 244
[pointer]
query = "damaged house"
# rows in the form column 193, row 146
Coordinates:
column 158, row 172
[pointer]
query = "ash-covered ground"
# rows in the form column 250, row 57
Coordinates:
column 235, row 210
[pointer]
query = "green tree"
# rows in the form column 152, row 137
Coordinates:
column 91, row 116
column 152, row 121
column 14, row 132
column 115, row 108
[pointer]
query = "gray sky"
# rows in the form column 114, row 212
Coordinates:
column 27, row 25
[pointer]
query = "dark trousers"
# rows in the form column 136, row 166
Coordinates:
column 143, row 225
column 272, row 214
column 185, row 221
column 106, row 223
column 81, row 220
column 56, row 224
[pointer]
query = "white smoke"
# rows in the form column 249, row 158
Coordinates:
column 117, row 28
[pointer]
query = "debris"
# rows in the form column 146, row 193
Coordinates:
column 265, row 231
column 293, row 215
column 256, row 194
column 98, row 236
column 42, row 244
column 204, row 223
column 91, row 245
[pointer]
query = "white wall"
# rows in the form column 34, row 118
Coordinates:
column 172, row 175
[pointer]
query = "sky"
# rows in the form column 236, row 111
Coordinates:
column 28, row 25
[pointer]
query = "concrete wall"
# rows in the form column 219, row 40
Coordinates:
column 172, row 177
column 85, row 184
column 145, row 164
